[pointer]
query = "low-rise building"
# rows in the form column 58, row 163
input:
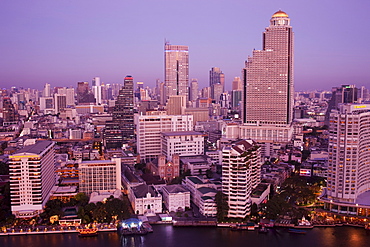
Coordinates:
column 176, row 197
column 145, row 199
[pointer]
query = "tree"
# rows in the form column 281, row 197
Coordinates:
column 222, row 206
column 82, row 199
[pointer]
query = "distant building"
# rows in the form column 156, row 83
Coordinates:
column 32, row 176
column 176, row 59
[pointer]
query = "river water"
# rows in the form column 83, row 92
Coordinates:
column 166, row 235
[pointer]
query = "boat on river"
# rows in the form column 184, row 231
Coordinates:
column 87, row 232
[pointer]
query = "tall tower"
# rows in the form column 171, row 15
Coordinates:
column 268, row 91
column 96, row 88
column 176, row 73
column 123, row 113
column 348, row 186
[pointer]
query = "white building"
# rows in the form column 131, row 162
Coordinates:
column 205, row 200
column 150, row 127
column 32, row 176
column 348, row 188
column 176, row 197
column 182, row 143
column 100, row 175
column 241, row 172
column 145, row 199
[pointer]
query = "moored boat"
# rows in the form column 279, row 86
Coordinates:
column 297, row 231
column 87, row 232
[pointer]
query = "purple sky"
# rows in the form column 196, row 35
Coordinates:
column 63, row 42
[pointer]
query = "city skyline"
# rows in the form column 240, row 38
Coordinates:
column 62, row 43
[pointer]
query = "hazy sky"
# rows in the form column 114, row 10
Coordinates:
column 62, row 42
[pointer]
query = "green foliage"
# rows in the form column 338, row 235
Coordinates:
column 4, row 168
column 222, row 206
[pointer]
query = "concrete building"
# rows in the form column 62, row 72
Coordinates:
column 100, row 176
column 176, row 197
column 32, row 176
column 348, row 187
column 241, row 173
column 182, row 143
column 150, row 127
column 176, row 59
column 268, row 93
column 176, row 105
column 145, row 199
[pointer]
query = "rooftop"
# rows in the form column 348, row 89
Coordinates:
column 37, row 148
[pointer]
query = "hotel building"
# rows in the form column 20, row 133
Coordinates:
column 32, row 176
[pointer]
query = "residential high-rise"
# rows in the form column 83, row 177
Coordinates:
column 84, row 95
column 268, row 76
column 241, row 172
column 32, row 177
column 348, row 182
column 176, row 73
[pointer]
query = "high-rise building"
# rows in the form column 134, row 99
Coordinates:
column 32, row 177
column 46, row 92
column 96, row 88
column 268, row 91
column 194, row 89
column 60, row 102
column 122, row 127
column 84, row 95
column 176, row 105
column 241, row 172
column 216, row 77
column 340, row 95
column 237, row 84
column 176, row 59
column 348, row 182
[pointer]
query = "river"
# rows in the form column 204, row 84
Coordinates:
column 166, row 235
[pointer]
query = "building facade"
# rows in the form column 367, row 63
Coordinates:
column 268, row 76
column 182, row 143
column 150, row 127
column 348, row 186
column 100, row 176
column 241, row 173
column 176, row 197
column 32, row 176
column 176, row 59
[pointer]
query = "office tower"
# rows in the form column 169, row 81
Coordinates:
column 122, row 127
column 32, row 177
column 342, row 94
column 70, row 96
column 237, row 84
column 348, row 182
column 150, row 127
column 162, row 93
column 60, row 102
column 241, row 172
column 46, row 91
column 268, row 76
column 176, row 105
column 96, row 88
column 216, row 77
column 216, row 91
column 194, row 89
column 84, row 95
column 176, row 59
column 100, row 176
column 47, row 104
column 206, row 92
column 236, row 98
column 363, row 94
